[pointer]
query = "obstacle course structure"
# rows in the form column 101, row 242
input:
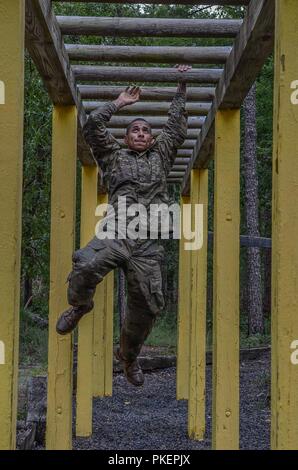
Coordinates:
column 214, row 99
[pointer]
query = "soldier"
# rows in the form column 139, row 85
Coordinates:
column 139, row 173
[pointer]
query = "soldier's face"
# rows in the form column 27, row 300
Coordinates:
column 139, row 136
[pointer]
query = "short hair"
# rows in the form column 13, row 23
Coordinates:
column 137, row 119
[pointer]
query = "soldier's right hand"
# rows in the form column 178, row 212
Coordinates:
column 129, row 96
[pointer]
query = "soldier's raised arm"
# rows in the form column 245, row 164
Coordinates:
column 101, row 141
column 175, row 130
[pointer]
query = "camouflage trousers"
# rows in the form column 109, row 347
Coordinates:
column 141, row 263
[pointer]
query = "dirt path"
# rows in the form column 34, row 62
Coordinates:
column 152, row 418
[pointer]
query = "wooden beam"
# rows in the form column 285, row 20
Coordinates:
column 184, row 307
column 85, row 334
column 252, row 46
column 120, row 133
column 140, row 27
column 187, row 144
column 161, row 108
column 143, row 74
column 63, row 211
column 46, row 48
column 194, row 122
column 225, row 388
column 11, row 170
column 198, row 314
column 284, row 382
column 183, row 2
column 159, row 54
column 147, row 93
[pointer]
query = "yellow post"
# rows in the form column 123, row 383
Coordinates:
column 85, row 336
column 63, row 210
column 225, row 397
column 100, row 334
column 109, row 333
column 11, row 158
column 284, row 396
column 183, row 331
column 197, row 362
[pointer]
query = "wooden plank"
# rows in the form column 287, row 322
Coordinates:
column 140, row 27
column 99, row 333
column 143, row 74
column 193, row 109
column 46, row 48
column 183, row 2
column 63, row 212
column 120, row 133
column 284, row 385
column 147, row 93
column 109, row 334
column 11, row 158
column 225, row 391
column 159, row 54
column 251, row 48
column 194, row 122
column 187, row 144
column 183, row 320
column 85, row 335
column 198, row 313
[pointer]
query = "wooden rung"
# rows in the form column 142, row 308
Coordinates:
column 187, row 144
column 183, row 2
column 194, row 122
column 159, row 54
column 193, row 109
column 144, row 74
column 147, row 93
column 157, row 27
column 120, row 133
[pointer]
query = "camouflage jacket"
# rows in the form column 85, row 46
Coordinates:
column 140, row 176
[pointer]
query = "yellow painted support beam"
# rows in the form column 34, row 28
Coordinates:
column 99, row 333
column 284, row 394
column 109, row 333
column 197, row 360
column 11, row 161
column 183, row 327
column 85, row 335
column 63, row 211
column 225, row 393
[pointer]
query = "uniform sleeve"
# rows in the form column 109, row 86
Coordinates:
column 101, row 141
column 174, row 132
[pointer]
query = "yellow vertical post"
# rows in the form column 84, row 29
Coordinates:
column 183, row 326
column 284, row 399
column 99, row 333
column 197, row 361
column 109, row 333
column 85, row 335
column 225, row 396
column 11, row 158
column 63, row 210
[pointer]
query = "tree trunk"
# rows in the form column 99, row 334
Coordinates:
column 255, row 312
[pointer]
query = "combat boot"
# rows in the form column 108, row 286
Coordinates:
column 132, row 370
column 71, row 317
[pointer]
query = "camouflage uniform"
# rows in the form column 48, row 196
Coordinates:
column 141, row 177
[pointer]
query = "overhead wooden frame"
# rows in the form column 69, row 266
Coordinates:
column 252, row 47
column 46, row 48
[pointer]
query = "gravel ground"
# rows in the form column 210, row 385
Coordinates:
column 151, row 418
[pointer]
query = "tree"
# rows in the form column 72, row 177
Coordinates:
column 254, row 293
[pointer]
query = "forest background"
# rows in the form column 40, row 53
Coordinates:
column 256, row 155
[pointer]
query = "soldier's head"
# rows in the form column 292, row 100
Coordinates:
column 139, row 135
